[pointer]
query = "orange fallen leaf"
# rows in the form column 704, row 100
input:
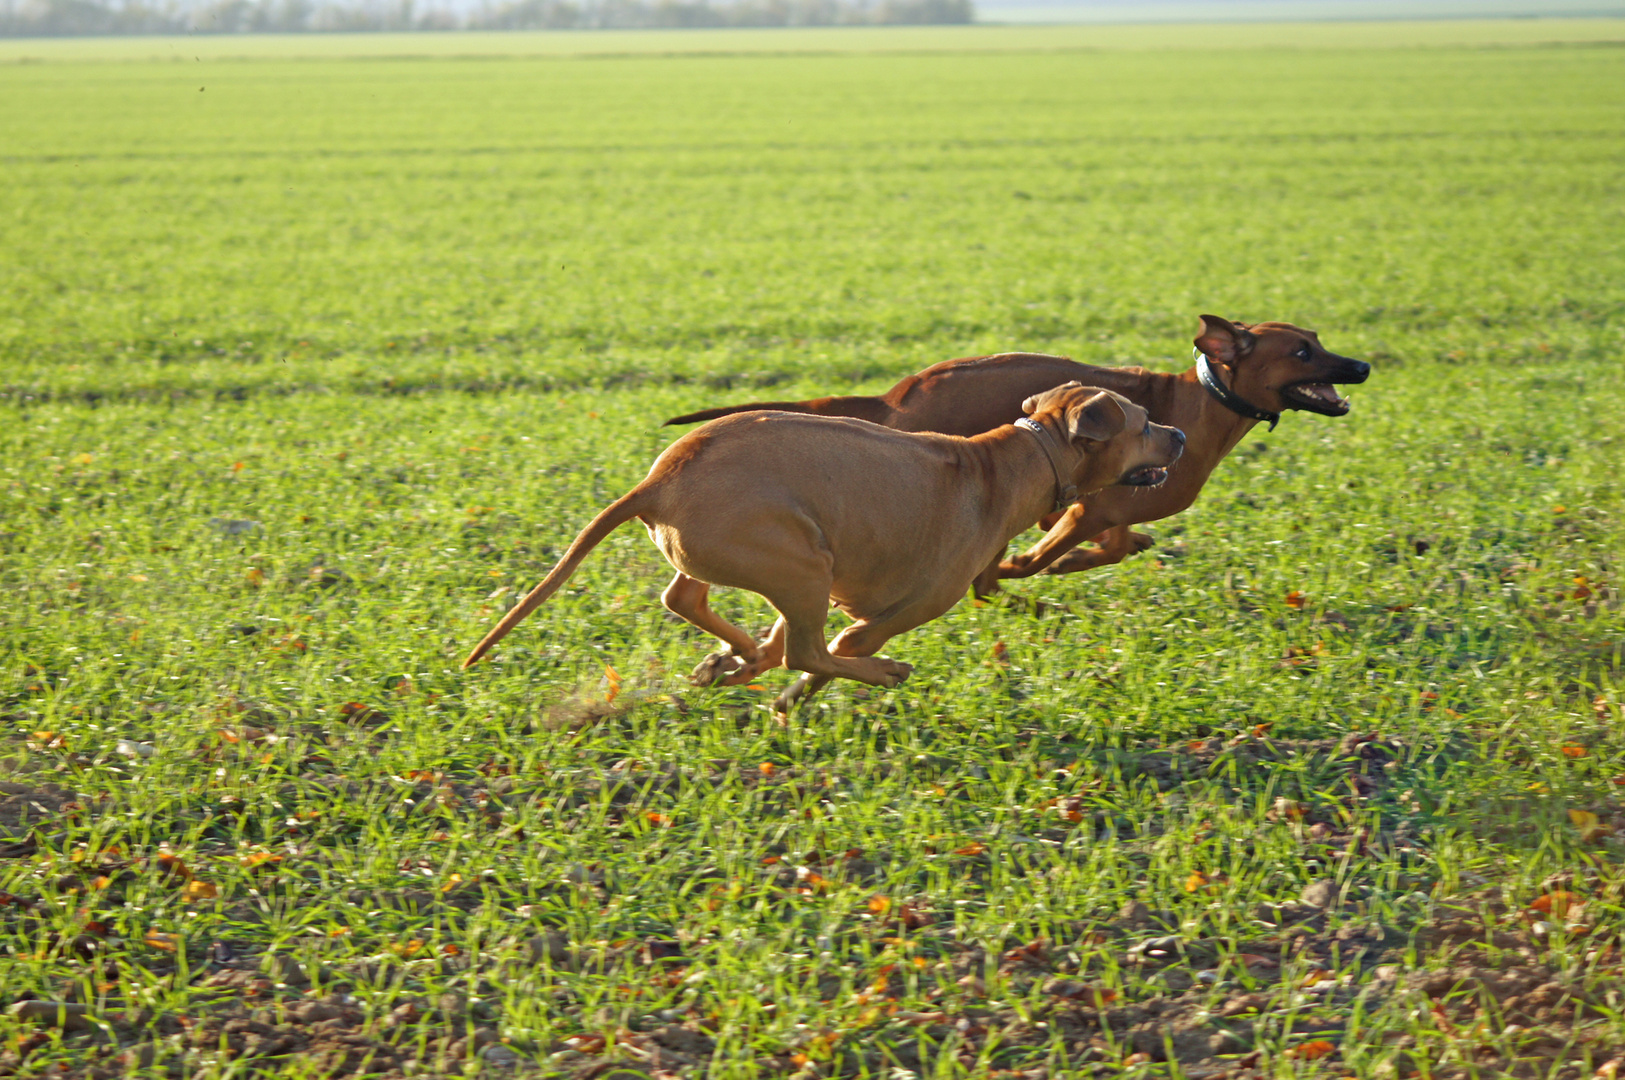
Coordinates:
column 1556, row 904
column 660, row 820
column 407, row 949
column 1295, row 599
column 612, row 683
column 259, row 859
column 1309, row 1051
column 767, row 768
column 975, row 847
column 1197, row 880
column 158, row 939
column 1001, row 654
column 879, row 905
column 199, row 890
column 1574, row 750
column 1590, row 826
column 451, row 883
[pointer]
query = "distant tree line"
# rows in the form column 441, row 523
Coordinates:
column 58, row 18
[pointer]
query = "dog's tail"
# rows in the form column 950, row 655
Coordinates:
column 873, row 409
column 614, row 515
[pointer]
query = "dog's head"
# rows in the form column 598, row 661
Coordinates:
column 1115, row 439
column 1278, row 366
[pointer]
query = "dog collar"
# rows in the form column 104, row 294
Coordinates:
column 1065, row 494
column 1226, row 396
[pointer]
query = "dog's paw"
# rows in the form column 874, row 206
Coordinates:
column 1141, row 541
column 741, row 674
column 792, row 694
column 715, row 668
column 893, row 672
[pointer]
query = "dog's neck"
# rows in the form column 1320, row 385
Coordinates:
column 1212, row 429
column 1028, row 474
column 1215, row 385
column 1066, row 492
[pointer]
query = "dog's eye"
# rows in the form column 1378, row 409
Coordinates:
column 1303, row 352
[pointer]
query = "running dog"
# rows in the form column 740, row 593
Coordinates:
column 1243, row 375
column 890, row 526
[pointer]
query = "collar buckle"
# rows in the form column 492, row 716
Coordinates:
column 1065, row 494
column 1226, row 396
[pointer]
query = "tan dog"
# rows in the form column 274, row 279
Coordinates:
column 890, row 526
column 1257, row 372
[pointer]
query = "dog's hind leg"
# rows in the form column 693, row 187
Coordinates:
column 804, row 649
column 861, row 639
column 770, row 654
column 686, row 597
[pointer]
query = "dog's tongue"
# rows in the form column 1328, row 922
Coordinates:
column 1322, row 392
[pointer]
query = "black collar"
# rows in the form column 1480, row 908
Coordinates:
column 1065, row 494
column 1228, row 397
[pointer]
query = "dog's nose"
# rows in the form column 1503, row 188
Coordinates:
column 1361, row 371
column 1179, row 436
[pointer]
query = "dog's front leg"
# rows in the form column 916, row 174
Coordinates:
column 1114, row 545
column 1075, row 526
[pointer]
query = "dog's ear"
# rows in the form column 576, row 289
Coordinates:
column 1038, row 401
column 1223, row 341
column 1099, row 416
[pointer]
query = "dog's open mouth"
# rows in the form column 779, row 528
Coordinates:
column 1317, row 397
column 1150, row 476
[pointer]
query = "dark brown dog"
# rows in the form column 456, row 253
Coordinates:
column 1254, row 373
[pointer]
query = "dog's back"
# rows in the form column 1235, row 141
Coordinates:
column 956, row 397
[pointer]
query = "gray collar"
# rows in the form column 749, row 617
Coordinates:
column 1065, row 494
column 1228, row 397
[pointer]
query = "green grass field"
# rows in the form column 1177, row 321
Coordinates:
column 309, row 361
